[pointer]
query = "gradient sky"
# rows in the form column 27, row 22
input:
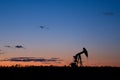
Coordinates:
column 59, row 29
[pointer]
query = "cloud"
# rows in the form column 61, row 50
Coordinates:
column 19, row 46
column 43, row 27
column 34, row 59
column 108, row 13
column 8, row 46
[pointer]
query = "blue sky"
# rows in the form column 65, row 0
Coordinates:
column 69, row 25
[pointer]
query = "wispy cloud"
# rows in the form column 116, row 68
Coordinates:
column 43, row 27
column 8, row 46
column 17, row 46
column 34, row 59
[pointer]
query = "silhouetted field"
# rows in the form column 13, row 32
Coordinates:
column 59, row 73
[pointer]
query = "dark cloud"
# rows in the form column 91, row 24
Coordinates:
column 53, row 59
column 108, row 13
column 43, row 27
column 34, row 59
column 19, row 46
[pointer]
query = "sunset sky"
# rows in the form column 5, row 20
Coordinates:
column 51, row 32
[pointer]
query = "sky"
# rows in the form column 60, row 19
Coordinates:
column 51, row 32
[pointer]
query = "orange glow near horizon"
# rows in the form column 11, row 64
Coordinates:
column 93, row 59
column 85, row 63
column 13, row 63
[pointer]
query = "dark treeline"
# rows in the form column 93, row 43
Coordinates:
column 59, row 73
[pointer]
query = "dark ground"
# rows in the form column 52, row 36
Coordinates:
column 59, row 73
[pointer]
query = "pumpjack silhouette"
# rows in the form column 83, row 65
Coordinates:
column 78, row 59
